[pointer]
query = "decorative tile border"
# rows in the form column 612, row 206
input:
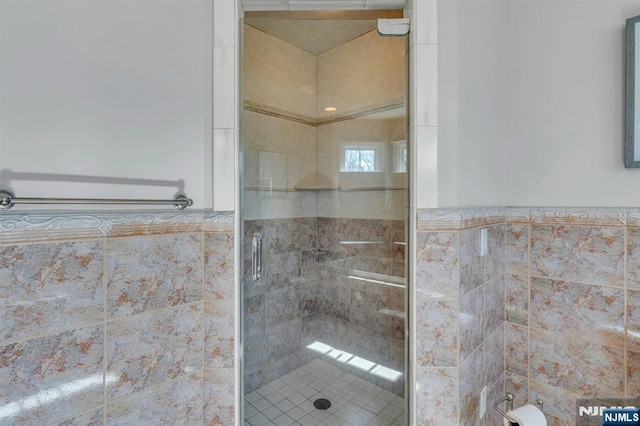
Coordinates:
column 453, row 219
column 34, row 227
column 150, row 223
column 584, row 216
column 279, row 113
column 633, row 217
column 218, row 221
column 579, row 216
column 368, row 110
column 316, row 122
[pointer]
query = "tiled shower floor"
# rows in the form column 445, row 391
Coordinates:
column 354, row 401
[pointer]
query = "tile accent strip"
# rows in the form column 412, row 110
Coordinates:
column 316, row 122
column 35, row 227
column 454, row 219
column 582, row 216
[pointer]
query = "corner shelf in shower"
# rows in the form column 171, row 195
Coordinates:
column 316, row 188
column 323, row 188
column 348, row 189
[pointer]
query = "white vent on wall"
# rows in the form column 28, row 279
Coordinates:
column 259, row 5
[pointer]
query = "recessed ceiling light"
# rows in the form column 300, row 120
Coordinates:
column 330, row 109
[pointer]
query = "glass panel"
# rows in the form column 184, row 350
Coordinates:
column 324, row 145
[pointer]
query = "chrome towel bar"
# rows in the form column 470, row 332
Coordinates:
column 8, row 200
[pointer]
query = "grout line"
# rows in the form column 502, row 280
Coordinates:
column 105, row 363
column 458, row 360
column 202, row 319
column 529, row 229
column 578, row 282
column 626, row 315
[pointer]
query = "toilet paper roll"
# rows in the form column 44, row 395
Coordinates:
column 527, row 415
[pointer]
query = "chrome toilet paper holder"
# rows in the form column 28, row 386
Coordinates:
column 509, row 399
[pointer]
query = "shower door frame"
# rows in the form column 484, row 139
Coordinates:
column 409, row 217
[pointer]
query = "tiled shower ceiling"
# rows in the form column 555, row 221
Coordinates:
column 255, row 5
column 314, row 36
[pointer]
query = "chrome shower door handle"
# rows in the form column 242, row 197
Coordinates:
column 256, row 257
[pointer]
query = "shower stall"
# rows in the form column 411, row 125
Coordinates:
column 324, row 207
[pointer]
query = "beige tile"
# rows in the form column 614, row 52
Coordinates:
column 572, row 309
column 308, row 69
column 633, row 374
column 517, row 248
column 49, row 288
column 37, row 369
column 178, row 401
column 471, row 380
column 368, row 51
column 578, row 253
column 294, row 170
column 253, row 130
column 251, row 168
column 281, row 135
column 328, row 171
column 559, row 403
column 633, row 320
column 437, row 342
column 219, row 396
column 273, row 170
column 147, row 273
column 517, row 349
column 570, row 363
column 219, row 334
column 517, row 299
column 218, row 266
column 399, row 75
column 151, row 348
column 437, row 396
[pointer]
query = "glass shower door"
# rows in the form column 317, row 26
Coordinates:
column 324, row 189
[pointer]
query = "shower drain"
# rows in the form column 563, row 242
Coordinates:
column 322, row 403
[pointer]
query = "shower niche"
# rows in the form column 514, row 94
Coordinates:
column 323, row 134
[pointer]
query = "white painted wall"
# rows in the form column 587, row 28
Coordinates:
column 565, row 104
column 106, row 89
column 471, row 105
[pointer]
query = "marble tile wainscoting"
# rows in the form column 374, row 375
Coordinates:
column 572, row 306
column 459, row 299
column 565, row 281
column 117, row 318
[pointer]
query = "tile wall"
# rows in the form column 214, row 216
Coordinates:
column 314, row 290
column 278, row 131
column 459, row 299
column 364, row 75
column 347, row 74
column 117, row 318
column 358, row 304
column 572, row 306
column 273, row 312
column 556, row 296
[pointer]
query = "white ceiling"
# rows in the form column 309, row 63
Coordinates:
column 314, row 36
column 259, row 5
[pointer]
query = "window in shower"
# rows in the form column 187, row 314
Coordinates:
column 399, row 156
column 362, row 157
